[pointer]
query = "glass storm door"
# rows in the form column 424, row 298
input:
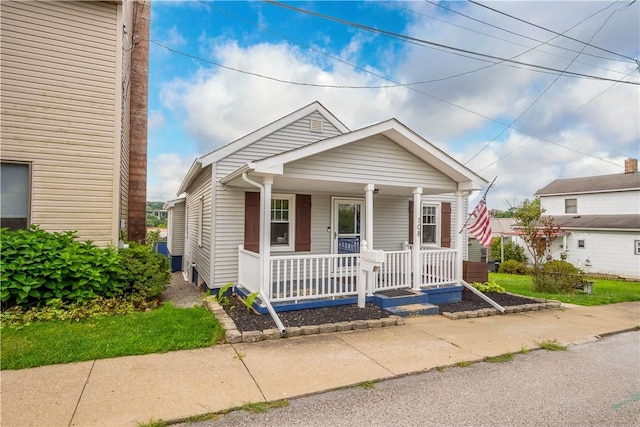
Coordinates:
column 348, row 225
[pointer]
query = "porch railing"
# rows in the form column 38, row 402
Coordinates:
column 299, row 277
column 249, row 270
column 438, row 267
column 395, row 272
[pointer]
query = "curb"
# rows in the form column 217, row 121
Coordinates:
column 233, row 336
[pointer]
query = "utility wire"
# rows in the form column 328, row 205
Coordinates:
column 541, row 94
column 518, row 34
column 426, row 42
column 554, row 32
column 541, row 43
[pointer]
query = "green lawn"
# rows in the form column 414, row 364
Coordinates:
column 604, row 291
column 158, row 331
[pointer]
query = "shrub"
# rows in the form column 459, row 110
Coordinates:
column 512, row 251
column 491, row 286
column 556, row 276
column 513, row 267
column 146, row 271
column 38, row 266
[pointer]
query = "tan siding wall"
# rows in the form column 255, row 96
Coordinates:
column 201, row 188
column 59, row 81
column 376, row 160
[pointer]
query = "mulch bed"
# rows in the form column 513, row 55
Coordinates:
column 471, row 302
column 250, row 321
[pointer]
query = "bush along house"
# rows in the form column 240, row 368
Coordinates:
column 284, row 212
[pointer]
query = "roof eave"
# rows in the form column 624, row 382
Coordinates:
column 196, row 166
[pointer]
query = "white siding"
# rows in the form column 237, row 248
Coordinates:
column 60, row 102
column 229, row 204
column 608, row 252
column 193, row 252
column 375, row 160
column 616, row 203
column 175, row 238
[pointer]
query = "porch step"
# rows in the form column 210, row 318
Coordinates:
column 414, row 310
column 399, row 297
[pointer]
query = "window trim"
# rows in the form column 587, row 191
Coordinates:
column 581, row 242
column 29, row 166
column 636, row 246
column 291, row 246
column 574, row 206
column 438, row 224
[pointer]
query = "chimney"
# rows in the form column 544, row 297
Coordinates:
column 630, row 165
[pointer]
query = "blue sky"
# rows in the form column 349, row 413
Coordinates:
column 565, row 126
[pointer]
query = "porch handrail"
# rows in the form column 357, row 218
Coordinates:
column 395, row 272
column 438, row 267
column 300, row 277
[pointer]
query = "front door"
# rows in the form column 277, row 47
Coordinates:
column 348, row 225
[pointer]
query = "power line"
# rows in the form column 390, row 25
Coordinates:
column 540, row 43
column 552, row 83
column 554, row 32
column 518, row 34
column 420, row 41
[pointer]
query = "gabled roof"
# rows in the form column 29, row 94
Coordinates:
column 393, row 130
column 272, row 127
column 172, row 203
column 592, row 184
column 598, row 222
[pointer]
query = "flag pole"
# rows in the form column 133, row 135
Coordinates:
column 484, row 197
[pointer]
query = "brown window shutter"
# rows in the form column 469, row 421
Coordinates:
column 445, row 229
column 252, row 222
column 303, row 223
column 411, row 222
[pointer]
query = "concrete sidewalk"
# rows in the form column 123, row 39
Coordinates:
column 130, row 390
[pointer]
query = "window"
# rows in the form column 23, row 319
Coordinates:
column 570, row 206
column 15, row 183
column 430, row 224
column 636, row 245
column 581, row 243
column 282, row 215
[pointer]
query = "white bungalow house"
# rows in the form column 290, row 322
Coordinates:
column 600, row 217
column 284, row 210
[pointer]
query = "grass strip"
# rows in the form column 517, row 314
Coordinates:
column 605, row 291
column 164, row 329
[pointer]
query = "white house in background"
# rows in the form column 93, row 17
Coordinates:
column 175, row 235
column 601, row 218
column 283, row 211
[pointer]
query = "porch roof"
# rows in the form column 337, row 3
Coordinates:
column 464, row 178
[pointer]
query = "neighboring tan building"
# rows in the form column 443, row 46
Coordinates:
column 74, row 117
column 600, row 218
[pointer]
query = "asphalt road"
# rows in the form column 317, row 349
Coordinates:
column 593, row 384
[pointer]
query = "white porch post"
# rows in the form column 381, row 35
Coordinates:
column 416, row 268
column 368, row 228
column 459, row 235
column 265, row 234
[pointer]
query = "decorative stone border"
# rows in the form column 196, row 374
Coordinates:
column 484, row 312
column 233, row 336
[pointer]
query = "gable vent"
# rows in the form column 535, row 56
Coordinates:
column 315, row 125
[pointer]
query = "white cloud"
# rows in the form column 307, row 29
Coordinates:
column 587, row 116
column 166, row 172
column 156, row 119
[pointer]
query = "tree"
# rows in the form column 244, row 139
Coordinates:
column 538, row 231
column 511, row 251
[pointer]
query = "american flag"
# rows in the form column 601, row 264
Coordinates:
column 481, row 228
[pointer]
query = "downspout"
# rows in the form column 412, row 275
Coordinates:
column 263, row 242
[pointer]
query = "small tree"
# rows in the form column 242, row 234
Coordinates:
column 512, row 251
column 538, row 231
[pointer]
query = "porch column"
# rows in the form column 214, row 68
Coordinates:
column 416, row 268
column 368, row 228
column 459, row 235
column 265, row 233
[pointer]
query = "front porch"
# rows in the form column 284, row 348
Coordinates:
column 304, row 281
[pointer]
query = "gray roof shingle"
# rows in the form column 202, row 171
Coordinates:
column 592, row 184
column 618, row 222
